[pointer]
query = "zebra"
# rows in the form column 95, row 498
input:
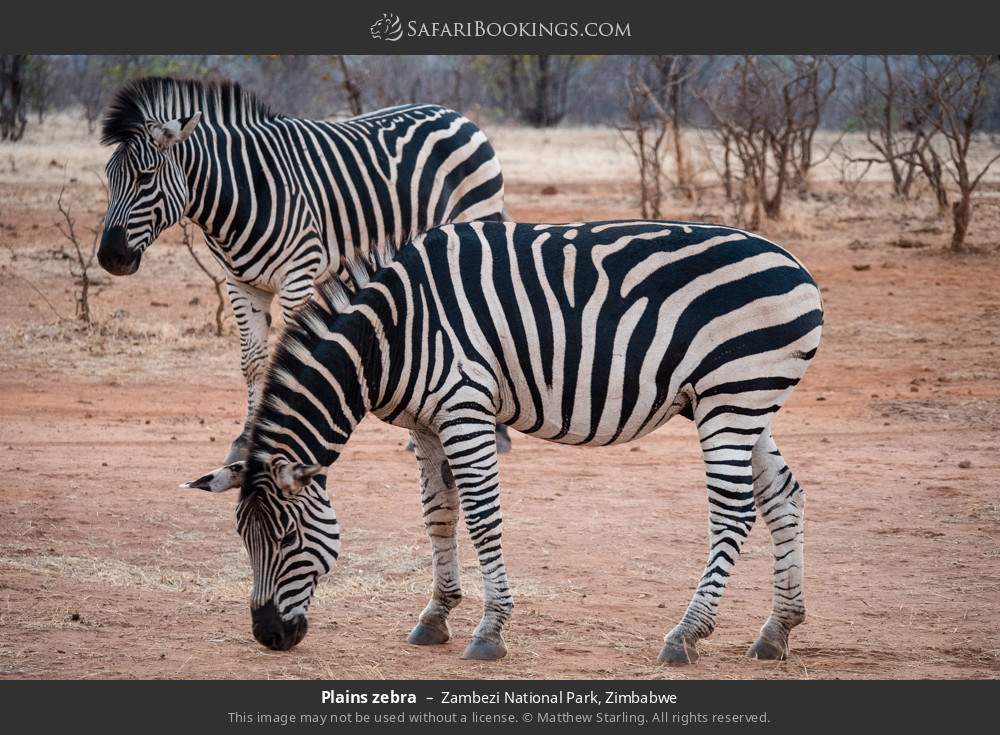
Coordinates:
column 586, row 334
column 282, row 201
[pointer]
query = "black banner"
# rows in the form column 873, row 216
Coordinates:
column 458, row 706
column 451, row 27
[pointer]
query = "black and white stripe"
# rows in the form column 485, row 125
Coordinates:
column 282, row 201
column 584, row 334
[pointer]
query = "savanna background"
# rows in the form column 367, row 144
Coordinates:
column 877, row 172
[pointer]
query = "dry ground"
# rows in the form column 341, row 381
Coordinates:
column 108, row 570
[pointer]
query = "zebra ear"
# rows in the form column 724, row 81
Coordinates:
column 219, row 480
column 170, row 133
column 291, row 477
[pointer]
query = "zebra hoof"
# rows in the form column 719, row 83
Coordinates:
column 480, row 649
column 766, row 649
column 678, row 653
column 427, row 635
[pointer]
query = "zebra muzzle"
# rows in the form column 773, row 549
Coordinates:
column 272, row 631
column 114, row 254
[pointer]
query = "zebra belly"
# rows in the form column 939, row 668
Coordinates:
column 554, row 432
column 596, row 418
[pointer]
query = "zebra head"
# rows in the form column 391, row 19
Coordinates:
column 148, row 192
column 291, row 534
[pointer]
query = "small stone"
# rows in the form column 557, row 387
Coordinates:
column 862, row 266
column 74, row 617
column 965, row 464
column 549, row 191
column 820, row 398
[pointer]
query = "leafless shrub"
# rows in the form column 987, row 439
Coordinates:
column 951, row 93
column 653, row 111
column 851, row 171
column 893, row 124
column 765, row 112
column 82, row 256
column 644, row 135
column 218, row 281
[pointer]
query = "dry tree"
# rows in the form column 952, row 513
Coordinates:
column 82, row 256
column 645, row 136
column 765, row 112
column 952, row 93
column 218, row 281
column 893, row 125
column 851, row 171
column 654, row 88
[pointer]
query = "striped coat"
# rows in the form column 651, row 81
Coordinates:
column 583, row 334
column 282, row 201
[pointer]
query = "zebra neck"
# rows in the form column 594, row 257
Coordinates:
column 325, row 379
column 221, row 163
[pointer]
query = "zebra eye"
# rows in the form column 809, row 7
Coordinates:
column 289, row 540
column 145, row 177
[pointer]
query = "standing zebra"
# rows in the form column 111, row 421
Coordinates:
column 283, row 201
column 584, row 334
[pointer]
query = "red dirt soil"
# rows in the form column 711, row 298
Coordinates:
column 107, row 569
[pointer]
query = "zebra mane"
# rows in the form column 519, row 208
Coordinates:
column 163, row 99
column 333, row 296
column 337, row 292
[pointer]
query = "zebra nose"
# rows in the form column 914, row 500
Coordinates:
column 114, row 255
column 273, row 632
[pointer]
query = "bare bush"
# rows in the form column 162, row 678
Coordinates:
column 851, row 171
column 892, row 124
column 653, row 94
column 644, row 134
column 952, row 93
column 218, row 279
column 765, row 112
column 82, row 256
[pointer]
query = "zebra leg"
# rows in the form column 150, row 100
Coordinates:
column 469, row 440
column 251, row 306
column 781, row 503
column 727, row 453
column 439, row 498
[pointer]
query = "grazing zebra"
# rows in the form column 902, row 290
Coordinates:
column 282, row 201
column 584, row 334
